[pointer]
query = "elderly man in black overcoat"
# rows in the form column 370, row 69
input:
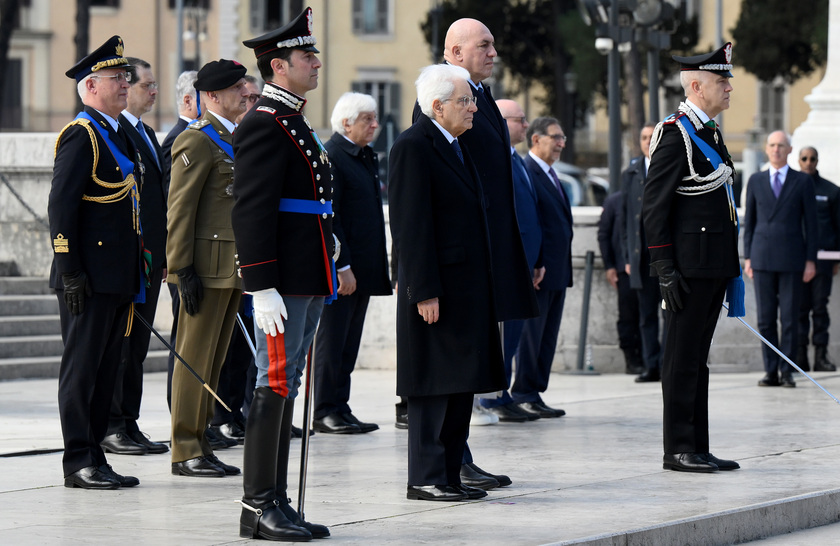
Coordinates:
column 448, row 345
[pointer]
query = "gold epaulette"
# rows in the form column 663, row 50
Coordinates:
column 200, row 124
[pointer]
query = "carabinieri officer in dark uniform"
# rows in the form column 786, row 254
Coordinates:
column 691, row 227
column 94, row 212
column 282, row 223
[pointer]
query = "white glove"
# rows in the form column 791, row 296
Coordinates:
column 269, row 311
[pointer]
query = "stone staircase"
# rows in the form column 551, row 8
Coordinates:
column 30, row 331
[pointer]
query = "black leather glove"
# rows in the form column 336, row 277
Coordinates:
column 670, row 282
column 76, row 288
column 191, row 289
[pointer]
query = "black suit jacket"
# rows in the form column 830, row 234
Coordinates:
column 438, row 222
column 359, row 222
column 152, row 196
column 166, row 149
column 101, row 237
column 780, row 234
column 556, row 217
column 610, row 231
column 632, row 231
column 488, row 143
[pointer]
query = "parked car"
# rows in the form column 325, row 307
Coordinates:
column 583, row 189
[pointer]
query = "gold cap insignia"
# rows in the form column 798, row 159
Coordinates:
column 120, row 48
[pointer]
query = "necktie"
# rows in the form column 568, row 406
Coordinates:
column 777, row 185
column 142, row 130
column 519, row 168
column 557, row 184
column 457, row 148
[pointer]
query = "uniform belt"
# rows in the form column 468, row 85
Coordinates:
column 305, row 206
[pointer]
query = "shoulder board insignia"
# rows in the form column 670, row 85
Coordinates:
column 267, row 109
column 199, row 124
column 670, row 120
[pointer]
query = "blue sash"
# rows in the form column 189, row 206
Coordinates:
column 735, row 287
column 214, row 136
column 307, row 206
column 126, row 168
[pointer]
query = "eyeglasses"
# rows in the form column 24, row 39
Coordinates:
column 523, row 120
column 463, row 101
column 558, row 138
column 152, row 86
column 808, row 159
column 119, row 76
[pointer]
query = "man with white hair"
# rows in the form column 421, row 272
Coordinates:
column 691, row 228
column 94, row 211
column 448, row 345
column 362, row 267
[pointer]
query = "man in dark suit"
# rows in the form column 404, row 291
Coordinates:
column 124, row 436
column 644, row 285
column 539, row 337
column 95, row 227
column 362, row 266
column 201, row 255
column 780, row 253
column 527, row 214
column 691, row 229
column 610, row 235
column 448, row 345
column 282, row 222
column 815, row 294
column 187, row 111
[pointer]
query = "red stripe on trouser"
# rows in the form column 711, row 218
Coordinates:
column 277, row 364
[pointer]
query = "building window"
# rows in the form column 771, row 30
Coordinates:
column 13, row 98
column 104, row 3
column 204, row 4
column 271, row 14
column 371, row 16
column 771, row 106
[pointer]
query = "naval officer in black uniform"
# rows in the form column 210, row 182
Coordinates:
column 691, row 227
column 282, row 222
column 95, row 227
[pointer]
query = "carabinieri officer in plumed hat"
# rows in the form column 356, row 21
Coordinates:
column 95, row 229
column 282, row 222
column 691, row 227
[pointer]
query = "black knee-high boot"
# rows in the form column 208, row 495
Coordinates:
column 261, row 514
column 318, row 531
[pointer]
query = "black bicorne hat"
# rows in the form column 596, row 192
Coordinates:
column 297, row 35
column 718, row 61
column 108, row 55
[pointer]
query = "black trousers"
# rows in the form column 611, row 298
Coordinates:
column 92, row 344
column 685, row 371
column 778, row 294
column 336, row 350
column 537, row 347
column 629, row 339
column 128, row 389
column 814, row 308
column 436, row 437
column 649, row 298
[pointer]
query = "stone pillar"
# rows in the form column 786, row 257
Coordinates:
column 820, row 129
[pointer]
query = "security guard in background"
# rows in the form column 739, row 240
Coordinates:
column 282, row 220
column 201, row 256
column 95, row 228
column 691, row 228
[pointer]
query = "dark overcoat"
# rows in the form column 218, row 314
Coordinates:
column 439, row 225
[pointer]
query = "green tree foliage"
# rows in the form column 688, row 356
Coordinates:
column 779, row 38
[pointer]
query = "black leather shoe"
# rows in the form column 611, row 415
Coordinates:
column 269, row 522
column 335, row 423
column 297, row 432
column 787, row 381
column 401, row 421
column 229, row 431
column 503, row 480
column 540, row 409
column 472, row 493
column 364, row 427
column 471, row 477
column 769, row 380
column 445, row 493
column 199, row 467
column 648, row 376
column 317, row 530
column 124, row 481
column 216, row 441
column 229, row 470
column 154, row 448
column 121, row 444
column 688, row 462
column 508, row 413
column 91, row 477
column 722, row 464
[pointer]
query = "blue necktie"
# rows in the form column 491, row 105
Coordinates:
column 147, row 140
column 519, row 168
column 457, row 148
column 777, row 185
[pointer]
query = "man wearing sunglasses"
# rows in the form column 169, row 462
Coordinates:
column 815, row 294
